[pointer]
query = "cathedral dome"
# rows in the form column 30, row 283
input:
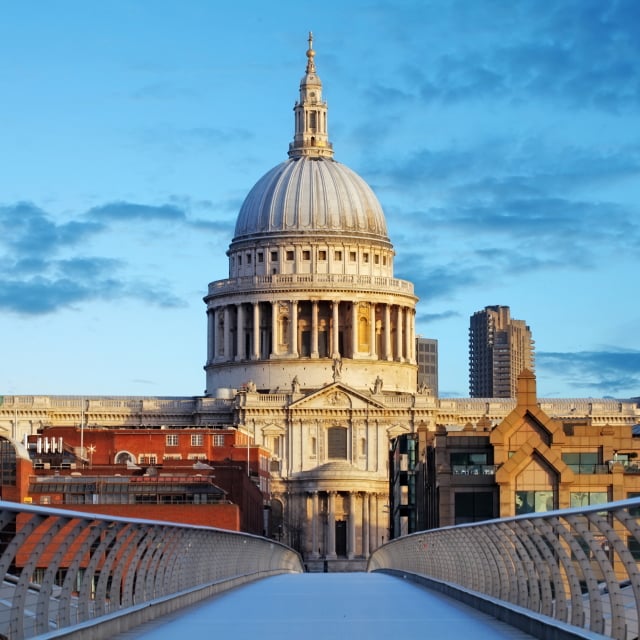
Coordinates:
column 308, row 194
column 311, row 194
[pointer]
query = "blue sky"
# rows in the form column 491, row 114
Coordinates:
column 501, row 138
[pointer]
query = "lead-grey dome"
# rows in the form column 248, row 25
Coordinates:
column 310, row 194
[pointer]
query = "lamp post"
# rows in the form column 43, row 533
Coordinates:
column 91, row 449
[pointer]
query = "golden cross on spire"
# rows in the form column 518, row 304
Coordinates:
column 311, row 67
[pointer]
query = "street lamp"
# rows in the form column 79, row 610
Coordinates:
column 91, row 449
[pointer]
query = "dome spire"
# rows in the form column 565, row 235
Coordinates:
column 310, row 112
column 311, row 67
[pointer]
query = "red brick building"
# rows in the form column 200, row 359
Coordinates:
column 208, row 477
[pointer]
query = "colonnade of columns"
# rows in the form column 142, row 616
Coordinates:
column 362, row 518
column 311, row 328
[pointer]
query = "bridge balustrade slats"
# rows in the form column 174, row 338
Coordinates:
column 63, row 569
column 577, row 568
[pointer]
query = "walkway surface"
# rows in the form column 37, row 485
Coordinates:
column 327, row 606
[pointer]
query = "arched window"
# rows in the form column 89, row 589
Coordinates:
column 337, row 443
column 363, row 334
column 124, row 457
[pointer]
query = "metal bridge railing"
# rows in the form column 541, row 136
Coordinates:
column 64, row 569
column 576, row 566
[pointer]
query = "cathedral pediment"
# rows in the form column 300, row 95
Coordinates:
column 338, row 396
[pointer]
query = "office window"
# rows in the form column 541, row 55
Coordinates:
column 634, row 548
column 218, row 441
column 588, row 498
column 535, row 501
column 634, row 511
column 8, row 463
column 172, row 440
column 197, row 440
column 473, row 507
column 581, row 462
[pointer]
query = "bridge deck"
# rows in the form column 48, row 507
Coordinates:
column 318, row 606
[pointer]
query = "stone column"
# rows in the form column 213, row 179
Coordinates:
column 314, row 329
column 351, row 536
column 274, row 329
column 227, row 334
column 256, row 331
column 372, row 329
column 373, row 521
column 399, row 343
column 216, row 336
column 407, row 334
column 388, row 352
column 334, row 331
column 331, row 525
column 414, row 358
column 314, row 525
column 365, row 525
column 355, row 340
column 211, row 334
column 240, row 332
column 294, row 329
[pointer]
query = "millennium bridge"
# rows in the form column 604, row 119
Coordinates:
column 560, row 574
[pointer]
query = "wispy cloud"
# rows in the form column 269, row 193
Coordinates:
column 42, row 270
column 28, row 230
column 612, row 371
column 576, row 54
column 127, row 211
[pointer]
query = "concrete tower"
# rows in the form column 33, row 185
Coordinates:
column 500, row 348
